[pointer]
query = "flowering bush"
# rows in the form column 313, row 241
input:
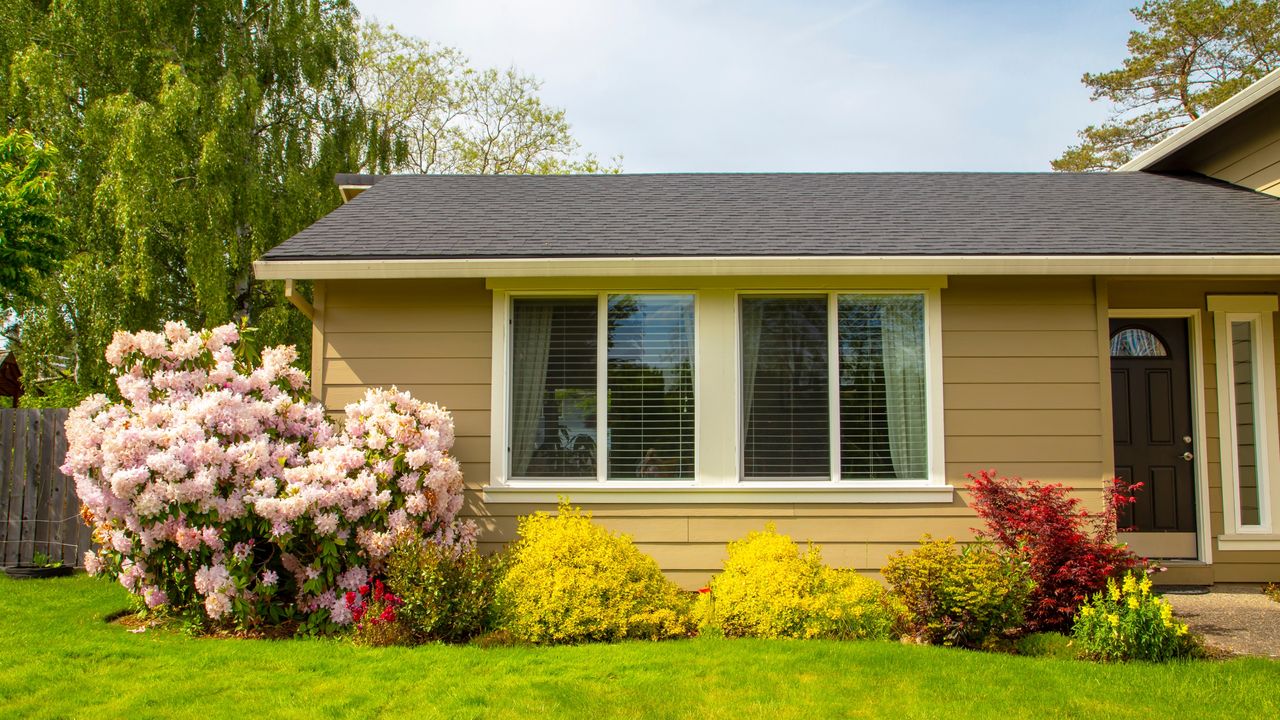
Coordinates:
column 1128, row 622
column 448, row 595
column 770, row 589
column 374, row 615
column 569, row 580
column 214, row 486
column 1071, row 552
column 1272, row 590
column 966, row 597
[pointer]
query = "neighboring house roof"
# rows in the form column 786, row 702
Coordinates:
column 762, row 215
column 1236, row 131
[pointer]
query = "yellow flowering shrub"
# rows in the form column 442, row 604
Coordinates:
column 964, row 597
column 569, row 580
column 770, row 589
column 1128, row 621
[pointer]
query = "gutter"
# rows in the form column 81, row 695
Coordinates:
column 770, row 266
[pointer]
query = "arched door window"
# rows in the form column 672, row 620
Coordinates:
column 1137, row 342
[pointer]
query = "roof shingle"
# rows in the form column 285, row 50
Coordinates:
column 842, row 214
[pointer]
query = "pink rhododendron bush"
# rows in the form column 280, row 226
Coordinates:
column 214, row 486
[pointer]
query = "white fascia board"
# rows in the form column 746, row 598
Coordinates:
column 803, row 265
column 1230, row 108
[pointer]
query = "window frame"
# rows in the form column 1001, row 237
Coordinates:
column 935, row 468
column 1259, row 312
column 602, row 386
column 717, row 436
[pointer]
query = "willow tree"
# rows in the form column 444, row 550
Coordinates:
column 193, row 137
column 1188, row 57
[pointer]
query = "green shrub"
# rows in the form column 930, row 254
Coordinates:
column 1129, row 622
column 1272, row 590
column 569, row 580
column 447, row 594
column 770, row 589
column 964, row 597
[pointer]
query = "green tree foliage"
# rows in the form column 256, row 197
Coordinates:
column 1189, row 56
column 30, row 243
column 195, row 136
column 432, row 112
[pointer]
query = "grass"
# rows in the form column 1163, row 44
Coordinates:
column 58, row 658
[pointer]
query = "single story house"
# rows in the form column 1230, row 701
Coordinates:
column 690, row 356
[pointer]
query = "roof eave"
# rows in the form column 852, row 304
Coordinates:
column 762, row 265
column 1232, row 107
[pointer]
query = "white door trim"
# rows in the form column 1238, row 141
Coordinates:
column 1200, row 436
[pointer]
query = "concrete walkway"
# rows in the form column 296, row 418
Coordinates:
column 1234, row 619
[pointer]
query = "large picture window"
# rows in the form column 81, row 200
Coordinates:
column 845, row 366
column 647, row 382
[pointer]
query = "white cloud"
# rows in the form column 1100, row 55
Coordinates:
column 723, row 86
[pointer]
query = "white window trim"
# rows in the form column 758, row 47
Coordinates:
column 711, row 483
column 1259, row 311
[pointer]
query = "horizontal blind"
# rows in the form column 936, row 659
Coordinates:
column 553, row 388
column 785, row 402
column 883, row 409
column 650, row 384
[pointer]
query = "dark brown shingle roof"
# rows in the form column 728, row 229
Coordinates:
column 843, row 214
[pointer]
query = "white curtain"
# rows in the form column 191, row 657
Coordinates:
column 752, row 320
column 902, row 343
column 530, row 347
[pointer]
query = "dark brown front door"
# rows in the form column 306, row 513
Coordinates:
column 1151, row 410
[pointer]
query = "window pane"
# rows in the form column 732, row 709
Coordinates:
column 1136, row 342
column 786, row 433
column 883, row 411
column 553, row 388
column 650, row 381
column 1246, row 449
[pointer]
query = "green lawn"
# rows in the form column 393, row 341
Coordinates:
column 58, row 658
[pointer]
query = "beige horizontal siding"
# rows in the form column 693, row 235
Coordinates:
column 1022, row 395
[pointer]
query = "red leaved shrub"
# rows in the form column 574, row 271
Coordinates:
column 1071, row 551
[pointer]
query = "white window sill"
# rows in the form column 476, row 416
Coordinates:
column 1249, row 541
column 677, row 492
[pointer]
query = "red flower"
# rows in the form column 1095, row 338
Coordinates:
column 364, row 589
column 704, row 590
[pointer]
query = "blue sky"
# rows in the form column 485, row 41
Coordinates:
column 815, row 85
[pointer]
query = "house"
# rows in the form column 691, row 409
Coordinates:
column 690, row 356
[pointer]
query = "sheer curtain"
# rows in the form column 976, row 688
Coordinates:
column 752, row 319
column 530, row 348
column 902, row 345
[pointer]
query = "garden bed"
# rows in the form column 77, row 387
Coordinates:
column 65, row 660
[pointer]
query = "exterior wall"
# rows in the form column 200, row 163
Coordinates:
column 1022, row 395
column 1245, row 151
column 1183, row 293
column 1025, row 370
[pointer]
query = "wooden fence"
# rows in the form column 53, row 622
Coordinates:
column 39, row 510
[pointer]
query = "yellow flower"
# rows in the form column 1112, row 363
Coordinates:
column 1113, row 618
column 1146, row 585
column 1130, row 584
column 1086, row 611
column 1113, row 591
column 1182, row 629
column 1133, row 603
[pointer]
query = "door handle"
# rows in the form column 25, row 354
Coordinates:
column 1188, row 456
